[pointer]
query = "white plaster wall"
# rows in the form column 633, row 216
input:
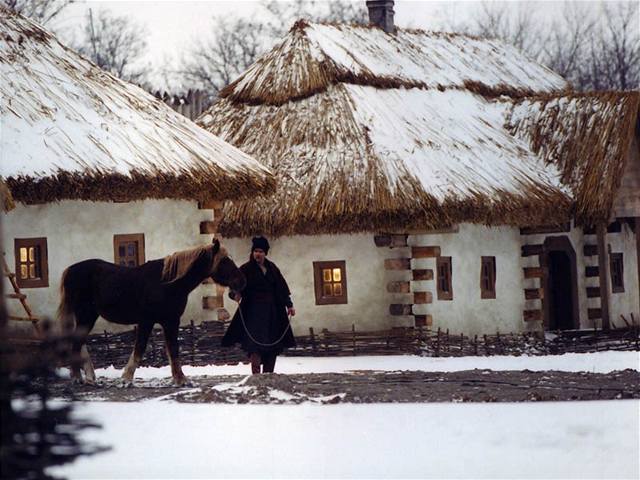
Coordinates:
column 78, row 230
column 368, row 300
column 468, row 313
column 627, row 302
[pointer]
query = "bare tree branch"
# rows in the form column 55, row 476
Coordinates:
column 41, row 11
column 115, row 44
column 236, row 43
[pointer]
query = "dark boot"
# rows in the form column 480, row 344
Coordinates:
column 269, row 362
column 255, row 360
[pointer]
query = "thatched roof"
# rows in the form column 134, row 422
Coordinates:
column 394, row 134
column 314, row 56
column 6, row 199
column 587, row 136
column 72, row 131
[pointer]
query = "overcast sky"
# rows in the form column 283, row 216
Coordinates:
column 172, row 25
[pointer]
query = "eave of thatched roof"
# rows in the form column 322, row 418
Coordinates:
column 6, row 199
column 73, row 131
column 587, row 136
column 357, row 158
column 314, row 56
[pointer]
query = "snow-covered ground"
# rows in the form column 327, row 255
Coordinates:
column 601, row 362
column 163, row 439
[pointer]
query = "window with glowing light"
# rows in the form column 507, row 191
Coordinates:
column 32, row 269
column 330, row 280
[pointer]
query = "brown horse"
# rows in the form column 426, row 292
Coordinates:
column 155, row 292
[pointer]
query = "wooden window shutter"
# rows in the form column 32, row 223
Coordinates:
column 444, row 284
column 488, row 277
column 616, row 266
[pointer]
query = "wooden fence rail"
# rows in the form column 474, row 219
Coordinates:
column 200, row 344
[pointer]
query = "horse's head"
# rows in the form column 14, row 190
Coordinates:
column 225, row 272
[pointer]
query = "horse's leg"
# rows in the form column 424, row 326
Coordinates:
column 172, row 348
column 87, row 366
column 142, row 337
column 85, row 320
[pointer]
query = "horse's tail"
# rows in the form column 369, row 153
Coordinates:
column 66, row 319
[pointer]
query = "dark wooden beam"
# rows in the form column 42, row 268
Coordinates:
column 397, row 309
column 426, row 274
column 533, row 293
column 591, row 272
column 533, row 272
column 601, row 233
column 532, row 315
column 423, row 320
column 422, row 297
column 390, row 240
column 530, row 250
column 425, row 252
column 593, row 292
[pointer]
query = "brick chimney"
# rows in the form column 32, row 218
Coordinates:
column 381, row 14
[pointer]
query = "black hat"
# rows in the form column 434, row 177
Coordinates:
column 260, row 242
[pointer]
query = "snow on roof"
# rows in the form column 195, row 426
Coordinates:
column 368, row 131
column 359, row 158
column 313, row 56
column 587, row 136
column 71, row 130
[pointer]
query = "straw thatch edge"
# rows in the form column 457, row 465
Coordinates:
column 98, row 186
column 414, row 209
column 6, row 199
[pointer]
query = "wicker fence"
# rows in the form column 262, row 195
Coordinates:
column 200, row 344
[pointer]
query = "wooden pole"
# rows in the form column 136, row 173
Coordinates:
column 636, row 223
column 603, row 268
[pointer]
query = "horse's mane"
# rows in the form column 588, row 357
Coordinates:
column 178, row 264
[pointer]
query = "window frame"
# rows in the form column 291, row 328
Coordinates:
column 447, row 278
column 318, row 282
column 43, row 262
column 129, row 237
column 490, row 263
column 616, row 265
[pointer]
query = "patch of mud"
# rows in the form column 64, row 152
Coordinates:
column 369, row 387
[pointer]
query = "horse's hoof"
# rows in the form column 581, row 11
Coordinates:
column 124, row 383
column 183, row 382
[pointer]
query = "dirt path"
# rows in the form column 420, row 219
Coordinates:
column 370, row 387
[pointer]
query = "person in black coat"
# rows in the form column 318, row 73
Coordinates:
column 261, row 322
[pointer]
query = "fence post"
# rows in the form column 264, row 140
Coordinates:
column 353, row 336
column 313, row 340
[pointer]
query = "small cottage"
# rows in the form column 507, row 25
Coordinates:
column 435, row 179
column 98, row 168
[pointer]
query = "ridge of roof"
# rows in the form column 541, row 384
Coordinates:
column 313, row 56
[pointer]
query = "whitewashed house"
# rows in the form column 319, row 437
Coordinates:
column 98, row 168
column 435, row 179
